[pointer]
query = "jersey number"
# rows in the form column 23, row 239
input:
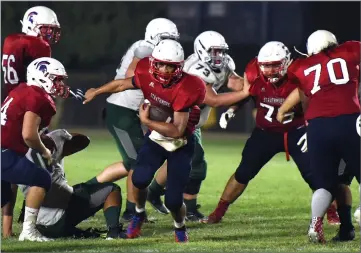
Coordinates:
column 10, row 75
column 288, row 116
column 206, row 72
column 4, row 108
column 331, row 73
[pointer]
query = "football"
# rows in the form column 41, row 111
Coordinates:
column 156, row 113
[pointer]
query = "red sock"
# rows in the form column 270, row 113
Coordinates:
column 222, row 207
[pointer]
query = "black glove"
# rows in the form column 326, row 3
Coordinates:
column 78, row 94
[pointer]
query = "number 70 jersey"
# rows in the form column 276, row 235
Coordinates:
column 330, row 80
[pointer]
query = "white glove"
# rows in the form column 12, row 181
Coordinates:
column 303, row 140
column 225, row 117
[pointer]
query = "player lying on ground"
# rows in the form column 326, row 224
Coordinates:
column 40, row 29
column 25, row 111
column 216, row 68
column 171, row 117
column 329, row 77
column 121, row 113
column 269, row 86
column 66, row 206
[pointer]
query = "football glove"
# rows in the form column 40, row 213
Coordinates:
column 226, row 117
column 303, row 142
column 78, row 94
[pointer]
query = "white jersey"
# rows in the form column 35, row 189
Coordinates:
column 194, row 66
column 57, row 198
column 130, row 98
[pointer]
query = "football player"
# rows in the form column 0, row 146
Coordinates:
column 65, row 206
column 25, row 111
column 269, row 86
column 168, row 88
column 40, row 28
column 216, row 68
column 122, row 110
column 329, row 77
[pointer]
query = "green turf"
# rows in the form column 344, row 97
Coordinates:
column 272, row 215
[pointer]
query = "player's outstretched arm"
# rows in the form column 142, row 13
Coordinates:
column 235, row 82
column 172, row 130
column 111, row 87
column 293, row 99
column 229, row 98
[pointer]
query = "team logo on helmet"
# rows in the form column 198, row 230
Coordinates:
column 30, row 16
column 42, row 66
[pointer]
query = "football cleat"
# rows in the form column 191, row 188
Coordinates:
column 116, row 233
column 344, row 234
column 332, row 216
column 181, row 235
column 135, row 225
column 32, row 234
column 157, row 203
column 195, row 215
column 127, row 215
column 315, row 231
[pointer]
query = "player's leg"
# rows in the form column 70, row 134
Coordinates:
column 8, row 211
column 259, row 149
column 18, row 169
column 179, row 167
column 156, row 190
column 350, row 149
column 197, row 175
column 323, row 150
column 87, row 200
column 124, row 125
column 150, row 157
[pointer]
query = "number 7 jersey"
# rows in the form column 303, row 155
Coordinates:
column 269, row 98
column 330, row 80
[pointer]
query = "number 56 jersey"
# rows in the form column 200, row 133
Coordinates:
column 330, row 80
column 269, row 98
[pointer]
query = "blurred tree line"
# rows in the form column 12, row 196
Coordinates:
column 94, row 34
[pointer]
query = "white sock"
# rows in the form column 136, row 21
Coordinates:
column 139, row 210
column 321, row 200
column 179, row 225
column 30, row 217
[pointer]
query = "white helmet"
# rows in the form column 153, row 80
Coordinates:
column 211, row 48
column 159, row 29
column 49, row 74
column 320, row 40
column 41, row 21
column 273, row 60
column 168, row 52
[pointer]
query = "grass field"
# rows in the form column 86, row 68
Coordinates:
column 272, row 215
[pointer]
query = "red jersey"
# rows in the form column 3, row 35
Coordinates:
column 19, row 101
column 269, row 99
column 19, row 50
column 185, row 95
column 330, row 80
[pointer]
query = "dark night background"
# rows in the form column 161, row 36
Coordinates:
column 95, row 35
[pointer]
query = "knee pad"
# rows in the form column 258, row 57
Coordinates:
column 140, row 180
column 193, row 186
